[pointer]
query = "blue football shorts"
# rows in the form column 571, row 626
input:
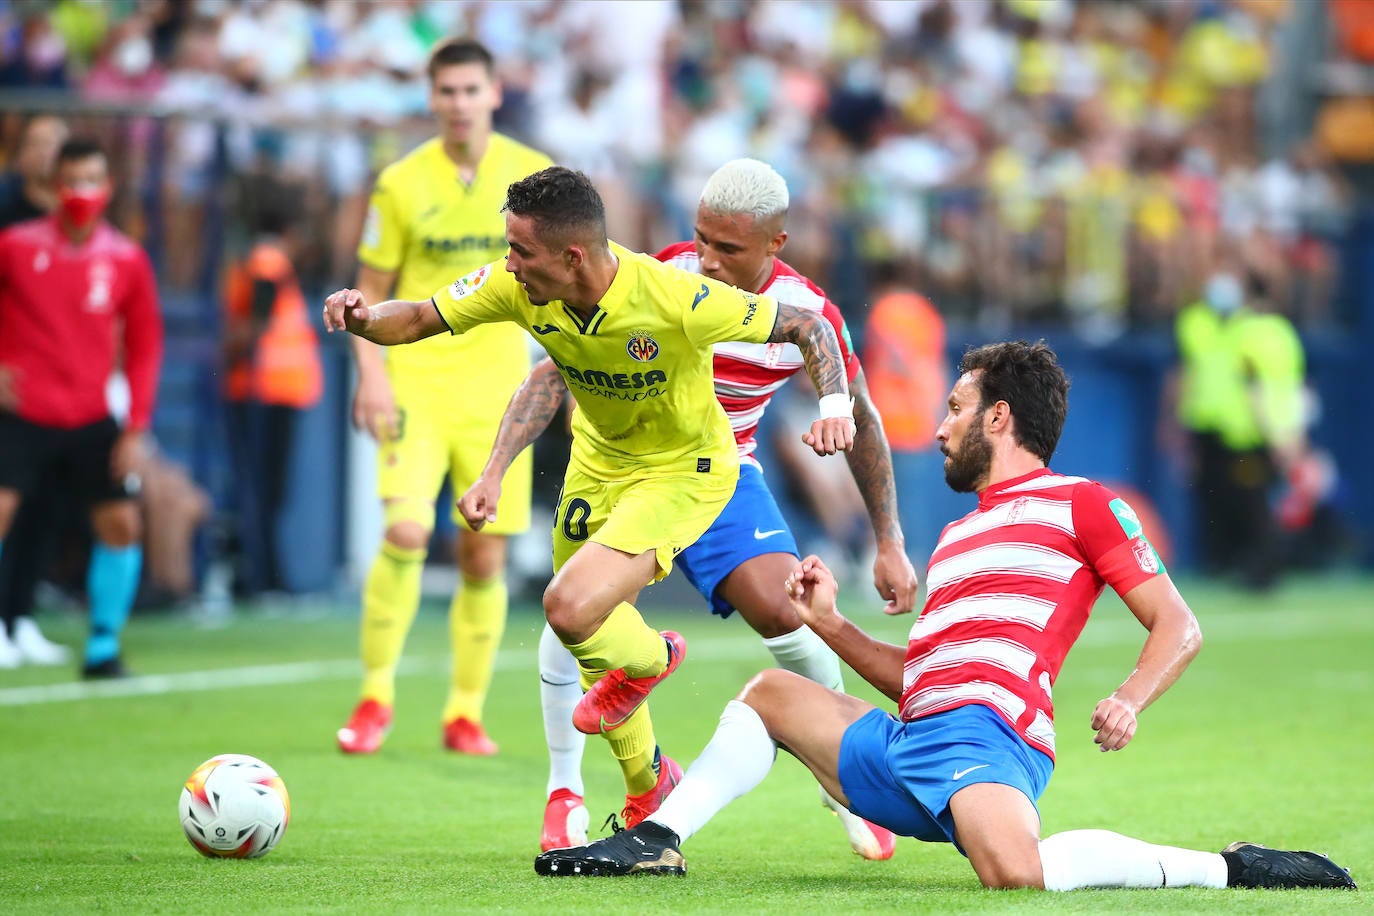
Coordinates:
column 750, row 525
column 902, row 774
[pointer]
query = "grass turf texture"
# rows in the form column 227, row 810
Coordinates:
column 1269, row 738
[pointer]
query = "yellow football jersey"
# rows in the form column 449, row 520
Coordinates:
column 640, row 367
column 428, row 226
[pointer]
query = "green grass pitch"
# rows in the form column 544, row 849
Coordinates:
column 1269, row 737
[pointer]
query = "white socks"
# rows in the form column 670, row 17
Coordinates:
column 1099, row 858
column 737, row 759
column 800, row 651
column 803, row 652
column 560, row 689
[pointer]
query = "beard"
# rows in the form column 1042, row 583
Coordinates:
column 967, row 467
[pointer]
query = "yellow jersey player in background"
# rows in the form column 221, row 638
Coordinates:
column 653, row 458
column 434, row 215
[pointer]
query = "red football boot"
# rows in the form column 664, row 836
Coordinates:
column 615, row 697
column 468, row 737
column 366, row 729
column 565, row 821
column 638, row 807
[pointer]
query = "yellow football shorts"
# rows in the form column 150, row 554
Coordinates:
column 664, row 513
column 442, row 433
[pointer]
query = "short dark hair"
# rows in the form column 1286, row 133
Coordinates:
column 1029, row 378
column 451, row 52
column 561, row 201
column 75, row 148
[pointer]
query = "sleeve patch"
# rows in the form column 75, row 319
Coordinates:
column 466, row 286
column 752, row 306
column 1126, row 517
column 372, row 228
column 1146, row 557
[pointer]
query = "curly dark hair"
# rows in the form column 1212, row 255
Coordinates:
column 1029, row 378
column 562, row 202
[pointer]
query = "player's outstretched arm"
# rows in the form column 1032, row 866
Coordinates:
column 530, row 411
column 813, row 335
column 870, row 460
column 1174, row 640
column 812, row 589
column 374, row 402
column 396, row 321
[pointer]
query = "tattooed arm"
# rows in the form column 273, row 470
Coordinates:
column 870, row 460
column 813, row 335
column 531, row 410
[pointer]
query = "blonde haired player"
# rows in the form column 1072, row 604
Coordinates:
column 435, row 215
column 737, row 564
column 653, row 459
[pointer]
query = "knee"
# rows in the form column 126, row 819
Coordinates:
column 407, row 535
column 567, row 612
column 765, row 688
column 481, row 558
column 9, row 502
column 118, row 524
column 777, row 619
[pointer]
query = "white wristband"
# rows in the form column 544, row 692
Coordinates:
column 837, row 405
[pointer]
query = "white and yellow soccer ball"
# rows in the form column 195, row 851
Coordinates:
column 234, row 807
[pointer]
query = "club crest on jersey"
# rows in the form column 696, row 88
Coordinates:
column 641, row 347
column 100, row 280
column 1145, row 555
column 1018, row 509
column 466, row 286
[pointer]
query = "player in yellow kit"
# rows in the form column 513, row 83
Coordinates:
column 434, row 215
column 653, row 459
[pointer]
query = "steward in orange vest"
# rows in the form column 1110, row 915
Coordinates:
column 270, row 344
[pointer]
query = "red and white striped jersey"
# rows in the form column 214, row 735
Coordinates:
column 747, row 375
column 1010, row 587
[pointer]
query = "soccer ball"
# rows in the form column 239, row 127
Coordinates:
column 234, row 807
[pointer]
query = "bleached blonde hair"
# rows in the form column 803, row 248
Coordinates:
column 746, row 186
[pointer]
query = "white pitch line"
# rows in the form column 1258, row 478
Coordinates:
column 297, row 673
column 1105, row 629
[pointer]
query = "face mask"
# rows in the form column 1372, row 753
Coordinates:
column 1223, row 293
column 81, row 208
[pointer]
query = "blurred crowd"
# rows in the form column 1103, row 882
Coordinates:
column 1019, row 159
column 1100, row 165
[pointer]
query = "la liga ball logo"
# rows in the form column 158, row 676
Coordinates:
column 641, row 347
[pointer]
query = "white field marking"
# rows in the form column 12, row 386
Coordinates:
column 732, row 649
column 1112, row 624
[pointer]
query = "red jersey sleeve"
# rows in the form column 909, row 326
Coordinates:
column 675, row 249
column 142, row 339
column 832, row 314
column 1113, row 541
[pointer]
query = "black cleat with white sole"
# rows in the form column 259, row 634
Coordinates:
column 644, row 849
column 1252, row 865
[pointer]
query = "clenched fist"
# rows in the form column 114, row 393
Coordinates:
column 346, row 310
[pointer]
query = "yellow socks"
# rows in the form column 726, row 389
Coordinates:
column 632, row 745
column 391, row 596
column 476, row 620
column 624, row 641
